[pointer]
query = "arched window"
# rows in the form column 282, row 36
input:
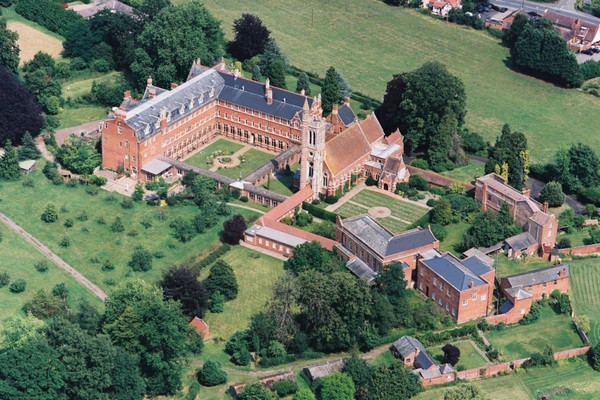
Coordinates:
column 312, row 138
column 311, row 169
column 325, row 180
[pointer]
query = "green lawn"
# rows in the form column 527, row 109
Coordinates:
column 585, row 293
column 10, row 14
column 454, row 236
column 256, row 273
column 519, row 341
column 80, row 115
column 466, row 173
column 223, row 146
column 573, row 380
column 81, row 86
column 369, row 42
column 18, row 259
column 91, row 241
column 254, row 158
column 506, row 267
column 578, row 238
column 469, row 356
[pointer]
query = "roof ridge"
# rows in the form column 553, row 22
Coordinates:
column 263, row 84
column 537, row 270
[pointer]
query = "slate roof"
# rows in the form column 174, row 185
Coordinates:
column 156, row 166
column 476, row 265
column 506, row 307
column 275, row 235
column 518, row 293
column 361, row 270
column 521, row 241
column 381, row 241
column 456, row 274
column 407, row 345
column 493, row 182
column 446, row 368
column 538, row 276
column 487, row 260
column 321, row 370
column 346, row 115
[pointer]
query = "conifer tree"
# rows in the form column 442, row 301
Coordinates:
column 331, row 90
column 28, row 150
column 272, row 52
column 256, row 73
column 9, row 164
column 277, row 74
column 303, row 83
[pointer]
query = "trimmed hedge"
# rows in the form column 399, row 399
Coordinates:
column 212, row 257
column 319, row 212
column 48, row 13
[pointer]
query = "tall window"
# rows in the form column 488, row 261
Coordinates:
column 325, row 180
column 311, row 169
column 312, row 138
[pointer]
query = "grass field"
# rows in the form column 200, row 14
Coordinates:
column 578, row 238
column 369, row 42
column 454, row 236
column 18, row 259
column 506, row 267
column 466, row 173
column 254, row 159
column 573, row 379
column 32, row 41
column 469, row 356
column 82, row 86
column 80, row 115
column 520, row 341
column 256, row 273
column 199, row 159
column 9, row 14
column 90, row 240
column 404, row 213
column 585, row 293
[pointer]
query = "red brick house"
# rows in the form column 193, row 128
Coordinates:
column 412, row 353
column 539, row 283
column 463, row 288
column 579, row 34
column 201, row 327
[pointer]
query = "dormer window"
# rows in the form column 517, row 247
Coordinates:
column 181, row 109
column 191, row 105
column 147, row 129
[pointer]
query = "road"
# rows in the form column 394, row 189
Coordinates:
column 564, row 7
column 53, row 257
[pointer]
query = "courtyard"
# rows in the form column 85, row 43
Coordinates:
column 470, row 355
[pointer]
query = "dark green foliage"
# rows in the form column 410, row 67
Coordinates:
column 182, row 284
column 541, row 51
column 465, row 392
column 516, row 28
column 87, row 317
column 251, row 37
column 319, row 212
column 304, row 394
column 461, row 17
column 256, row 75
column 489, row 228
column 276, row 75
column 241, row 357
column 451, row 354
column 303, row 83
column 344, row 89
column 472, row 141
column 119, row 31
column 420, row 163
column 217, row 303
column 361, row 372
column 561, row 304
column 78, row 156
column 553, row 194
column 4, row 279
column 9, row 163
column 326, row 229
column 41, row 266
column 256, row 391
column 9, row 50
column 233, row 229
column 541, row 359
column 212, row 257
column 48, row 13
column 18, row 286
column 336, row 386
column 141, row 260
column 594, row 357
column 418, row 182
column 509, row 148
column 236, row 343
column 222, row 279
column 370, row 181
column 441, row 213
column 285, row 388
column 269, row 56
column 80, row 40
column 393, row 382
column 183, row 230
column 312, row 256
column 590, row 69
column 564, row 243
column 330, row 90
column 211, row 374
column 50, row 213
column 533, row 315
column 169, row 43
column 117, row 225
column 108, row 94
column 43, row 305
column 577, row 167
column 28, row 149
column 127, row 382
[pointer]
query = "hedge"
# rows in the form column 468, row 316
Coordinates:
column 212, row 257
column 319, row 212
column 48, row 13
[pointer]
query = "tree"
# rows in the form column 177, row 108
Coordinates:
column 211, row 374
column 43, row 305
column 141, row 260
column 336, row 386
column 553, row 194
column 119, row 31
column 181, row 283
column 127, row 382
column 441, row 213
column 343, row 86
column 303, row 83
column 80, row 40
column 169, row 43
column 393, row 382
column 17, row 330
column 78, row 156
column 516, row 28
column 222, row 279
column 451, row 354
column 20, row 110
column 256, row 73
column 9, row 50
column 256, row 391
column 580, row 167
column 87, row 317
column 304, row 394
column 28, row 150
column 251, row 37
column 326, row 229
column 149, row 9
column 269, row 56
column 233, row 229
column 510, row 148
column 50, row 213
column 276, row 74
column 9, row 163
column 330, row 92
column 488, row 229
column 594, row 357
column 40, row 60
column 465, row 392
column 311, row 255
column 117, row 225
column 280, row 310
column 361, row 372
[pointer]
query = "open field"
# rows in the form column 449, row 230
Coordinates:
column 507, row 267
column 32, row 41
column 254, row 159
column 580, row 237
column 256, row 273
column 225, row 146
column 454, row 237
column 519, row 341
column 574, row 380
column 77, row 87
column 369, row 42
column 404, row 213
column 469, row 356
column 9, row 14
column 80, row 115
column 91, row 242
column 466, row 173
column 585, row 292
column 18, row 259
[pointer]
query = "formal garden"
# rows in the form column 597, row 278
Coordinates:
column 470, row 355
column 248, row 162
column 205, row 157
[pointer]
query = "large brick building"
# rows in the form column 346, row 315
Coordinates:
column 336, row 151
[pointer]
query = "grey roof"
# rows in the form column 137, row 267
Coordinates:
column 452, row 271
column 174, row 104
column 479, row 254
column 424, row 360
column 251, row 94
column 156, row 166
column 492, row 249
column 538, row 276
column 321, row 370
column 518, row 293
column 258, row 190
column 407, row 345
column 521, row 241
column 111, row 5
column 429, row 374
column 275, row 235
column 506, row 307
column 476, row 265
column 362, row 270
column 26, row 164
column 446, row 368
column 381, row 241
column 272, row 165
column 346, row 115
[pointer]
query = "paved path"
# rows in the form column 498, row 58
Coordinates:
column 53, row 257
column 42, row 147
column 346, row 197
column 245, row 208
column 64, row 133
column 235, row 161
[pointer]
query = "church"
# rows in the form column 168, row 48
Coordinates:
column 336, row 151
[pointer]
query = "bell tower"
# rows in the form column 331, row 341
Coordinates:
column 313, row 147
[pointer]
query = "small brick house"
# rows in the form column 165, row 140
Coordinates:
column 412, row 353
column 463, row 288
column 201, row 327
column 539, row 283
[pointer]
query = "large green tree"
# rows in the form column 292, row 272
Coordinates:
column 276, row 74
column 251, row 37
column 576, row 168
column 311, row 255
column 29, row 150
column 9, row 50
column 394, row 382
column 330, row 93
column 222, row 279
column 80, row 40
column 510, row 148
column 9, row 163
column 303, row 83
column 336, row 386
column 256, row 391
column 170, row 43
column 271, row 53
column 78, row 156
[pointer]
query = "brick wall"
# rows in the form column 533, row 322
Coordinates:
column 440, row 380
column 436, row 179
column 581, row 250
column 559, row 355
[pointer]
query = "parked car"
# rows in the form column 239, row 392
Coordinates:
column 498, row 8
column 595, row 49
column 589, row 52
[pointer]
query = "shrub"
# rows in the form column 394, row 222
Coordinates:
column 370, row 181
column 241, row 357
column 244, row 199
column 217, row 302
column 420, row 163
column 17, row 286
column 211, row 374
column 236, row 342
column 101, row 221
column 319, row 212
column 418, row 182
column 439, row 231
column 68, row 223
column 553, row 194
column 276, row 349
column 141, row 260
column 223, row 280
column 83, row 216
column 212, row 257
column 41, row 266
column 284, row 388
column 50, row 213
column 303, row 219
column 133, row 233
column 28, row 182
column 64, row 242
column 561, row 303
column 92, row 190
column 127, row 203
column 564, row 243
column 533, row 315
column 594, row 357
column 117, row 225
column 107, row 265
column 4, row 279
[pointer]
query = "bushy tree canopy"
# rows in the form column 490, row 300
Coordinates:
column 9, row 50
column 251, row 37
column 510, row 148
column 182, row 284
column 222, row 279
column 553, row 194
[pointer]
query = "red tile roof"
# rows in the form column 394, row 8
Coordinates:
column 201, row 326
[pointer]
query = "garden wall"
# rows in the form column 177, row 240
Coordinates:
column 581, row 250
column 559, row 355
column 436, row 179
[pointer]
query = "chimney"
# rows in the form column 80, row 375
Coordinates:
column 347, row 100
column 484, row 197
column 173, row 85
column 545, row 207
column 236, row 73
column 268, row 91
column 302, row 92
column 526, row 192
column 334, row 109
column 126, row 95
column 149, row 81
column 471, row 285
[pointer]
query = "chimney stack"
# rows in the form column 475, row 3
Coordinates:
column 545, row 207
column 347, row 100
column 149, row 81
column 173, row 85
column 236, row 73
column 471, row 285
column 334, row 109
column 269, row 91
column 302, row 92
column 126, row 95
